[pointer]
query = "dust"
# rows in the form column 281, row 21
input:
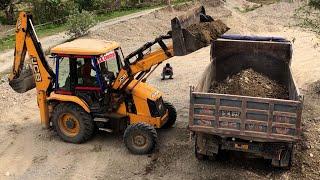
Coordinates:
column 207, row 31
column 251, row 83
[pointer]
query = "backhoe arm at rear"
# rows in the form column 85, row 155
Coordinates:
column 23, row 78
column 40, row 74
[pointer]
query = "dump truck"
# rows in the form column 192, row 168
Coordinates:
column 262, row 127
column 93, row 86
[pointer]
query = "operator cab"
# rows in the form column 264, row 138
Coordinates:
column 86, row 68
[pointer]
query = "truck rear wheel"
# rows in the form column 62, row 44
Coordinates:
column 198, row 145
column 140, row 138
column 72, row 123
column 172, row 115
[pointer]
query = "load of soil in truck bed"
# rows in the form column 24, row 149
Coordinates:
column 208, row 31
column 250, row 83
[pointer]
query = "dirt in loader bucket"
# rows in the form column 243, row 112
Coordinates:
column 205, row 32
column 195, row 30
column 24, row 81
column 250, row 83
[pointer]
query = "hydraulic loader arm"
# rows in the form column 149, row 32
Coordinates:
column 40, row 74
column 143, row 62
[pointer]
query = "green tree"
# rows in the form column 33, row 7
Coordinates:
column 52, row 10
column 8, row 7
column 80, row 23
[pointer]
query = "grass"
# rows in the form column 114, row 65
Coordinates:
column 122, row 12
column 51, row 29
column 308, row 18
column 264, row 1
column 8, row 41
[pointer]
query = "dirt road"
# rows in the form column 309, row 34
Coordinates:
column 29, row 152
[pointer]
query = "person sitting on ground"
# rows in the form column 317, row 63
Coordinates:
column 167, row 71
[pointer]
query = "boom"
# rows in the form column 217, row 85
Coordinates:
column 22, row 79
column 144, row 60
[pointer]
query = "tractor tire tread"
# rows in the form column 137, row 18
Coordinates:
column 172, row 115
column 86, row 119
column 150, row 130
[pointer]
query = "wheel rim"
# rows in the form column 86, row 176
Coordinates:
column 69, row 125
column 139, row 141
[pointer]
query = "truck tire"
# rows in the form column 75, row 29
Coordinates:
column 199, row 156
column 72, row 123
column 285, row 161
column 172, row 115
column 212, row 156
column 140, row 138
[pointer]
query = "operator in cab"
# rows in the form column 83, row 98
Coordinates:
column 85, row 72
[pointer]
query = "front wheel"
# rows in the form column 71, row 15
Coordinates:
column 140, row 138
column 72, row 123
column 172, row 115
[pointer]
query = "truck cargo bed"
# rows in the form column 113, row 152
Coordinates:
column 249, row 118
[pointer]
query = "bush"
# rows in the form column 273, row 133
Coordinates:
column 52, row 10
column 79, row 23
column 315, row 4
column 308, row 17
column 85, row 5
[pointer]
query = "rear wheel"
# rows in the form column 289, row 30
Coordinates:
column 72, row 123
column 140, row 138
column 199, row 156
column 172, row 115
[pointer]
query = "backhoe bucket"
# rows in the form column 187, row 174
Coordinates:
column 194, row 30
column 24, row 82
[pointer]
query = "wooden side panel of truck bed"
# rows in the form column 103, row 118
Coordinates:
column 258, row 119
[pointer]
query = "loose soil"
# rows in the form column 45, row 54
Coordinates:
column 251, row 83
column 205, row 32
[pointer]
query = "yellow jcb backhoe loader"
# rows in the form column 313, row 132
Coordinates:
column 94, row 87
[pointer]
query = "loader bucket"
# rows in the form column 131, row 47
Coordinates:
column 194, row 30
column 24, row 82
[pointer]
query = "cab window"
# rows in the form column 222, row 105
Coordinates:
column 109, row 63
column 64, row 74
column 86, row 75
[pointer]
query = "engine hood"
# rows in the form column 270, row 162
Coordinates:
column 144, row 90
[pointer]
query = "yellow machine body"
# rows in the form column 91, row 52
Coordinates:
column 28, row 42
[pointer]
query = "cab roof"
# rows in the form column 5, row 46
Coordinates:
column 89, row 47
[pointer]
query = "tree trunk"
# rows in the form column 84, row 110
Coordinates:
column 9, row 13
